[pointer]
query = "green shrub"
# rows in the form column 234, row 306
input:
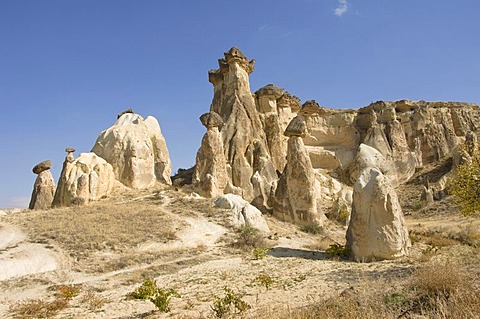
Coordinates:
column 146, row 290
column 162, row 297
column 260, row 253
column 248, row 238
column 265, row 280
column 231, row 302
column 158, row 296
column 337, row 251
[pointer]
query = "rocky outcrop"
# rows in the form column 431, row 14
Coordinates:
column 85, row 179
column 298, row 190
column 408, row 134
column 210, row 173
column 377, row 228
column 243, row 139
column 44, row 187
column 242, row 213
column 276, row 108
column 136, row 149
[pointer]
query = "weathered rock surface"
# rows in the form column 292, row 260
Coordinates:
column 43, row 188
column 298, row 190
column 377, row 228
column 369, row 157
column 243, row 139
column 137, row 151
column 243, row 214
column 210, row 173
column 85, row 179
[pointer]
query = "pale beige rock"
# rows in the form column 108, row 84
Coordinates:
column 43, row 190
column 377, row 228
column 88, row 178
column 297, row 192
column 242, row 213
column 243, row 138
column 342, row 206
column 369, row 157
column 137, row 151
column 210, row 173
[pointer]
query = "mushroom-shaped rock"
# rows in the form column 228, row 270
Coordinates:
column 267, row 98
column 211, row 119
column 296, row 127
column 86, row 179
column 137, row 151
column 43, row 188
column 42, row 166
column 377, row 228
column 288, row 100
column 311, row 107
column 369, row 157
column 242, row 213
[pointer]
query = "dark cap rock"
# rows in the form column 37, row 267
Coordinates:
column 124, row 112
column 270, row 90
column 69, row 150
column 42, row 166
column 211, row 119
column 296, row 127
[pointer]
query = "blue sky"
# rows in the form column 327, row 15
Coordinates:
column 68, row 67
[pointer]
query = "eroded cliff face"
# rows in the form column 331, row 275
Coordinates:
column 267, row 145
column 408, row 134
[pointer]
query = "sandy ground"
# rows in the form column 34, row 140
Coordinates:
column 300, row 270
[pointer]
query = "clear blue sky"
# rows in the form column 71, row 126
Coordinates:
column 68, row 67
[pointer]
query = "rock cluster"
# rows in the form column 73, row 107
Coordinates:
column 85, row 179
column 136, row 149
column 44, row 187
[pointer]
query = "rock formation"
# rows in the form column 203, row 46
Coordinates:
column 243, row 214
column 85, row 179
column 210, row 174
column 297, row 192
column 136, row 149
column 377, row 228
column 243, row 139
column 44, row 187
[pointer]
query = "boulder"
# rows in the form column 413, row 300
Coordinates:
column 377, row 228
column 137, row 151
column 43, row 188
column 243, row 213
column 88, row 178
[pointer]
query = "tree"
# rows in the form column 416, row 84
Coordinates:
column 465, row 186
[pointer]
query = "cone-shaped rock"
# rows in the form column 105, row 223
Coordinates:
column 44, row 187
column 136, row 149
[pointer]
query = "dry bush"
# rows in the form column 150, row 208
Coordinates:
column 38, row 308
column 248, row 238
column 93, row 301
column 444, row 290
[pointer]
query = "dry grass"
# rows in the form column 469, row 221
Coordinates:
column 38, row 308
column 102, row 230
column 93, row 300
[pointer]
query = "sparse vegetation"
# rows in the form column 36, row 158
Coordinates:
column 260, row 253
column 158, row 296
column 38, row 308
column 230, row 303
column 248, row 238
column 312, row 228
column 338, row 251
column 67, row 292
column 265, row 280
column 93, row 301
